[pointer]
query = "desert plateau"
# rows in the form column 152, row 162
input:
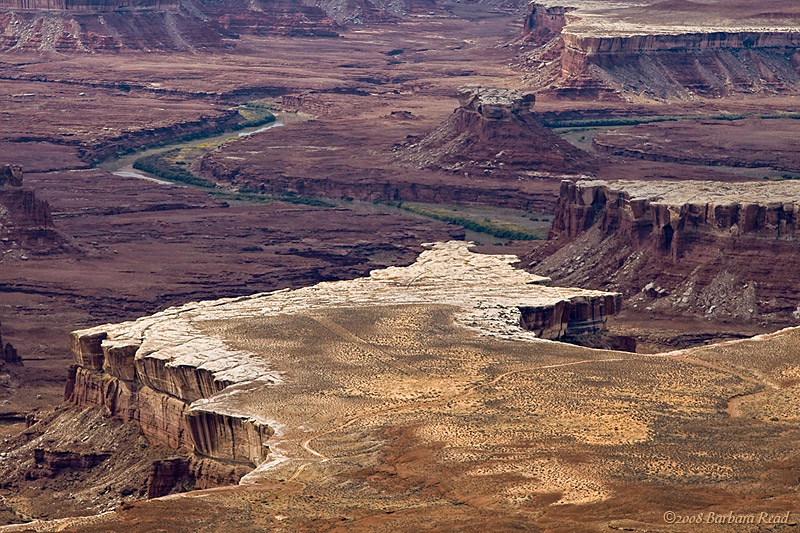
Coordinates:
column 419, row 265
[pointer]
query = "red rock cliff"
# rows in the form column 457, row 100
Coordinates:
column 543, row 23
column 94, row 6
column 158, row 396
column 721, row 250
column 24, row 220
column 610, row 52
column 670, row 228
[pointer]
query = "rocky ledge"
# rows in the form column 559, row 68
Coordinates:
column 731, row 248
column 685, row 48
column 493, row 102
column 26, row 225
column 670, row 215
column 177, row 374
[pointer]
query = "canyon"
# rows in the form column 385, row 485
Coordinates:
column 183, row 387
column 355, row 434
column 262, row 342
column 764, row 145
column 501, row 142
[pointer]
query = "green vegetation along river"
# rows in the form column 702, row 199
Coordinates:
column 169, row 165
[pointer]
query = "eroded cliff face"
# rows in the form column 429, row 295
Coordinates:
column 156, row 390
column 19, row 207
column 110, row 31
column 26, row 225
column 679, row 214
column 608, row 51
column 93, row 6
column 189, row 25
column 493, row 131
column 669, row 66
column 543, row 23
column 187, row 389
column 720, row 250
column 270, row 17
column 184, row 25
column 76, row 460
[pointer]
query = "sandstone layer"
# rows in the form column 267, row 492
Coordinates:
column 718, row 250
column 26, row 225
column 493, row 129
column 667, row 50
column 188, row 25
column 106, row 6
column 414, row 400
column 183, row 386
column 112, row 26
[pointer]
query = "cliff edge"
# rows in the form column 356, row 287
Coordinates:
column 721, row 251
column 178, row 375
column 662, row 50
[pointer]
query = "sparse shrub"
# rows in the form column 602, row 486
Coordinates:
column 160, row 165
column 487, row 226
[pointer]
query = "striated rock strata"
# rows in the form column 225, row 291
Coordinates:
column 90, row 5
column 721, row 250
column 665, row 49
column 188, row 389
column 114, row 25
column 493, row 130
column 184, row 25
column 543, row 23
column 108, row 31
column 25, row 221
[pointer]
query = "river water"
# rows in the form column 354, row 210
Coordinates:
column 123, row 166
